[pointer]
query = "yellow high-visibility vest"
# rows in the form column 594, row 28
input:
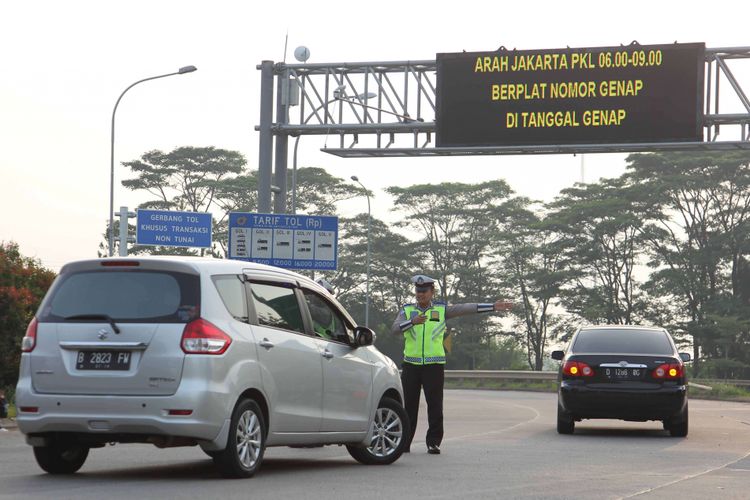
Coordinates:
column 423, row 344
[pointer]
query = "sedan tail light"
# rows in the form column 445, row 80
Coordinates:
column 577, row 369
column 29, row 341
column 203, row 337
column 669, row 371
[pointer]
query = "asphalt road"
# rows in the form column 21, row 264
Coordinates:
column 498, row 445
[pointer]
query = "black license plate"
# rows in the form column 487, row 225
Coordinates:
column 624, row 373
column 103, row 360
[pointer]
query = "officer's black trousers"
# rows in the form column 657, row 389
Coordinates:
column 431, row 378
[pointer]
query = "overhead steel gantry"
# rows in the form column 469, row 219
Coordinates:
column 387, row 109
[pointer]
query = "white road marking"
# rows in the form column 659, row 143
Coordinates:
column 685, row 478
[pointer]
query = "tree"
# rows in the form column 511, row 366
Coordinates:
column 319, row 192
column 390, row 269
column 600, row 228
column 698, row 212
column 23, row 283
column 185, row 179
column 453, row 224
column 532, row 259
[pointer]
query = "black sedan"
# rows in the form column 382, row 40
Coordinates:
column 622, row 372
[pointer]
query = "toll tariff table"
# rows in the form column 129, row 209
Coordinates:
column 283, row 240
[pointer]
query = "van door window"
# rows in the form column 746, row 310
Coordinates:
column 232, row 291
column 277, row 306
column 326, row 321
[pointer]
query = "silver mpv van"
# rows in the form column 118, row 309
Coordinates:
column 178, row 351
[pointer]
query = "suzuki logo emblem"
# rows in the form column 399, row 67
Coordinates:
column 102, row 334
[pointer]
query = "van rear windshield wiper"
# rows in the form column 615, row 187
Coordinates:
column 106, row 317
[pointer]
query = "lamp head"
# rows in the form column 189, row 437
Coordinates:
column 187, row 69
column 355, row 178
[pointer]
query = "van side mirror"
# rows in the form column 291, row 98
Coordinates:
column 685, row 357
column 363, row 336
column 558, row 355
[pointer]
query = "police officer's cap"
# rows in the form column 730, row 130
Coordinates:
column 423, row 283
column 325, row 284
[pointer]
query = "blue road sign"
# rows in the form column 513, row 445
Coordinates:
column 284, row 240
column 173, row 229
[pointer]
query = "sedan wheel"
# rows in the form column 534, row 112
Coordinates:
column 678, row 426
column 388, row 435
column 565, row 422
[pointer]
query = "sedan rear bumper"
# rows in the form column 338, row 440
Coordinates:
column 625, row 404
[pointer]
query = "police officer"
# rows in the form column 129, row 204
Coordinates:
column 324, row 322
column 423, row 325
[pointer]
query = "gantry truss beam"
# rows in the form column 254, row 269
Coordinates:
column 387, row 109
column 395, row 103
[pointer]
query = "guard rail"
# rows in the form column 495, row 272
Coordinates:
column 552, row 375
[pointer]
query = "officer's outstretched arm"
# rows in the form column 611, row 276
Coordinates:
column 456, row 310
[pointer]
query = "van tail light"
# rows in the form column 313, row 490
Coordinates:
column 577, row 369
column 29, row 341
column 203, row 337
column 669, row 371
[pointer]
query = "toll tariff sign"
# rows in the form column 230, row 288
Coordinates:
column 288, row 241
column 626, row 94
column 173, row 229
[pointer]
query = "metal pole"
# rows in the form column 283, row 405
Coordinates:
column 265, row 142
column 294, row 176
column 367, row 296
column 369, row 226
column 294, row 157
column 111, row 242
column 583, row 171
column 282, row 141
column 123, row 250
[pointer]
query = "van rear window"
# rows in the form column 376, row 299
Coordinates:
column 125, row 296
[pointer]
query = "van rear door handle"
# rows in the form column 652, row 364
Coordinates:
column 266, row 343
column 327, row 354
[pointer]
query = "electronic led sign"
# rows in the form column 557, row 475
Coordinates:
column 625, row 94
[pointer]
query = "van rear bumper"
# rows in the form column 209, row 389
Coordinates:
column 122, row 415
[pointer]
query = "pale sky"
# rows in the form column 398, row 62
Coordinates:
column 65, row 63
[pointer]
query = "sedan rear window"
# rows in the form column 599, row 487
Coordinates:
column 124, row 296
column 616, row 340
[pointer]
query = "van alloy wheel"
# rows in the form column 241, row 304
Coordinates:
column 246, row 443
column 388, row 441
column 387, row 432
column 248, row 438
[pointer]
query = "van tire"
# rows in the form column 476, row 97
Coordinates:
column 246, row 442
column 391, row 418
column 61, row 456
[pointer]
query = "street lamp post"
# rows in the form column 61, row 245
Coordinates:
column 337, row 96
column 181, row 71
column 369, row 225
